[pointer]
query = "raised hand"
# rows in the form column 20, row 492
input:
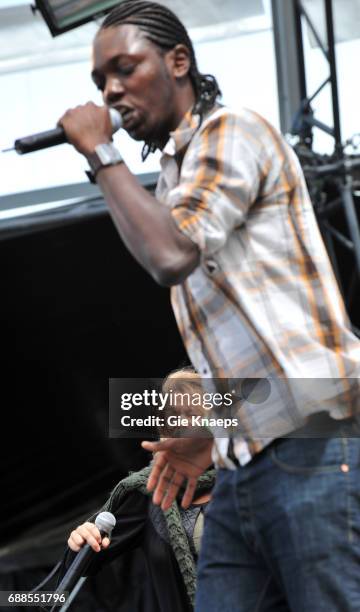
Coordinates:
column 177, row 461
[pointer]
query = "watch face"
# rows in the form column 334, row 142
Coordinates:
column 104, row 155
column 108, row 154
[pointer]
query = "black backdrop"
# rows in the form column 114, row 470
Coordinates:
column 75, row 310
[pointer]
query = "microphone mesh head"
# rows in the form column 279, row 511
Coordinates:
column 105, row 521
column 116, row 119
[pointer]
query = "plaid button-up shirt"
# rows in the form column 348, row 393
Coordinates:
column 263, row 302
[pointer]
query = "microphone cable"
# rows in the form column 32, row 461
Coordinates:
column 45, row 581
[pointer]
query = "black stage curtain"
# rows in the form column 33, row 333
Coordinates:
column 75, row 310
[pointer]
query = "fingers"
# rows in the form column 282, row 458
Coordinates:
column 162, row 445
column 172, row 490
column 167, row 487
column 87, row 533
column 86, row 126
column 160, row 462
column 154, row 447
column 172, row 465
column 162, row 483
column 189, row 492
column 149, row 446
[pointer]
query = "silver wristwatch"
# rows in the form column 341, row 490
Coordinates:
column 104, row 155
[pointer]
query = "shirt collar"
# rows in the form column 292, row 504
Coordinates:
column 180, row 138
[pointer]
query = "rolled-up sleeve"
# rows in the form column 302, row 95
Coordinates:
column 219, row 181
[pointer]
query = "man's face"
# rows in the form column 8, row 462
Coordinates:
column 137, row 79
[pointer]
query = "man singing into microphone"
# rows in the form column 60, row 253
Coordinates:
column 231, row 229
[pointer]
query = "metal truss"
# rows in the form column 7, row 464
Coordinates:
column 333, row 180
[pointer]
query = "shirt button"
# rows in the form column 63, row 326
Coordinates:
column 211, row 266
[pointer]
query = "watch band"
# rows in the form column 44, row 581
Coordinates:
column 104, row 155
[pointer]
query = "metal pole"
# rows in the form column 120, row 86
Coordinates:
column 290, row 65
column 333, row 74
column 300, row 46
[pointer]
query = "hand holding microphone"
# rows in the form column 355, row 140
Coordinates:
column 84, row 127
column 85, row 545
column 87, row 533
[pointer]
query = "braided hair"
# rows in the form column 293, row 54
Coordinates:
column 163, row 28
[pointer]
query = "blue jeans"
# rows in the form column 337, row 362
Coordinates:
column 282, row 534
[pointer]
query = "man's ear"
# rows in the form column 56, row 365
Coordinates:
column 180, row 61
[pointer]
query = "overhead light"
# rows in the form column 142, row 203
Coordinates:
column 64, row 15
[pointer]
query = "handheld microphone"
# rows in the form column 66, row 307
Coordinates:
column 57, row 136
column 105, row 522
